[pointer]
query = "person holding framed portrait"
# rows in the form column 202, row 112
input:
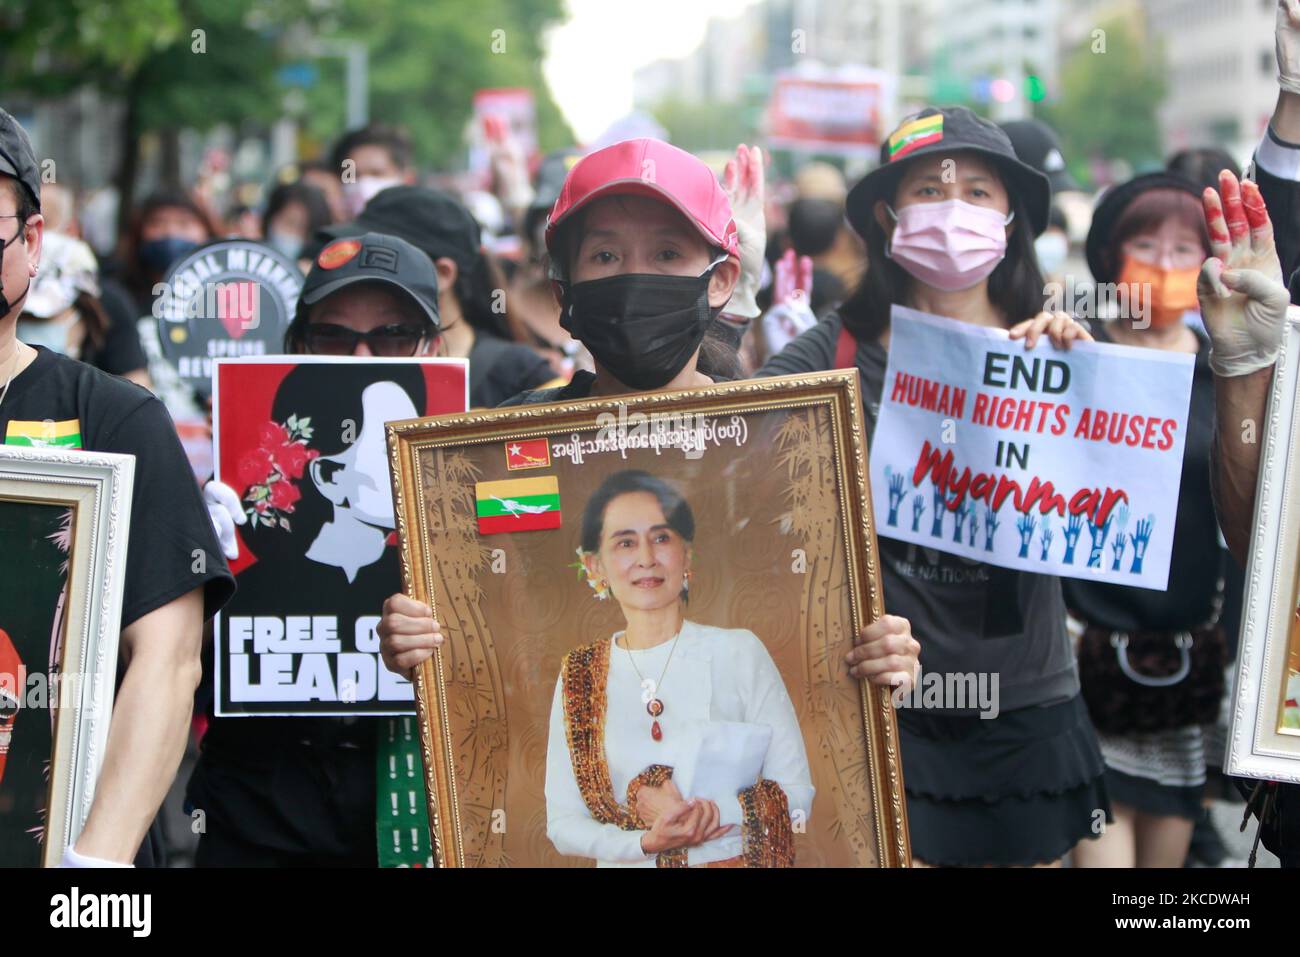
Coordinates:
column 643, row 265
column 639, row 260
column 949, row 218
column 176, row 577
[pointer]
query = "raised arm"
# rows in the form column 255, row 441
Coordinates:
column 151, row 720
column 1244, row 304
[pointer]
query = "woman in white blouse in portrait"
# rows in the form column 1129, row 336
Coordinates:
column 663, row 695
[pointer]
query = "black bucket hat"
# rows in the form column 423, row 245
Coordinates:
column 944, row 130
column 428, row 219
column 1110, row 207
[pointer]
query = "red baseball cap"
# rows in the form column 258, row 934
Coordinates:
column 653, row 168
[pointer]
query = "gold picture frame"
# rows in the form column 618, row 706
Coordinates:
column 773, row 461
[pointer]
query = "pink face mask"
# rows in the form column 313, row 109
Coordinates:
column 949, row 245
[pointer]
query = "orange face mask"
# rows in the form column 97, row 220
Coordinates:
column 1165, row 294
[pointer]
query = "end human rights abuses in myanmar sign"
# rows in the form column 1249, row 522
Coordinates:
column 1042, row 460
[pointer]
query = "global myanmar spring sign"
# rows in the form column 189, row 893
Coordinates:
column 1056, row 462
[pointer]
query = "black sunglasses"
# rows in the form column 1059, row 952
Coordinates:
column 329, row 339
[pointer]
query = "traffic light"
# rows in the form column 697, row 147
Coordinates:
column 1035, row 89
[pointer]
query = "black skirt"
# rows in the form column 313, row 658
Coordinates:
column 1152, row 797
column 1016, row 790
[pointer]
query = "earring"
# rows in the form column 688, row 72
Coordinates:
column 686, row 580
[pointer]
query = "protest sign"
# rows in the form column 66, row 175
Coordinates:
column 234, row 297
column 829, row 112
column 301, row 441
column 513, row 106
column 1041, row 460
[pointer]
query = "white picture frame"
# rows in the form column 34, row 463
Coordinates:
column 97, row 488
column 1258, row 745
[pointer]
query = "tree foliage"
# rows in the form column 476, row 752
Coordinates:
column 1112, row 88
column 426, row 60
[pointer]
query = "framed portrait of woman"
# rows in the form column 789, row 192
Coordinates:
column 64, row 518
column 646, row 601
column 1264, row 722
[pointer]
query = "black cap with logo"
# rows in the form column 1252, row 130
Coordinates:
column 372, row 257
column 16, row 157
column 946, row 130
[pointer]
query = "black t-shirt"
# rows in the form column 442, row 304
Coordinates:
column 499, row 369
column 969, row 617
column 579, row 387
column 302, row 785
column 172, row 548
column 1197, row 559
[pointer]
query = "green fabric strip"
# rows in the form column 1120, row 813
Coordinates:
column 401, row 813
column 488, row 507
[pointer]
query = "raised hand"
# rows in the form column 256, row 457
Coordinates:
column 1243, row 296
column 792, row 278
column 1098, row 533
column 974, row 523
column 896, row 493
column 918, row 506
column 1141, row 535
column 1072, row 530
column 1117, row 547
column 940, row 506
column 991, row 524
column 1046, row 539
column 1287, row 35
column 1026, row 525
column 960, row 515
column 742, row 181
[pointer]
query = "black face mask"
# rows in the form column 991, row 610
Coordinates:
column 642, row 328
column 731, row 331
column 5, row 304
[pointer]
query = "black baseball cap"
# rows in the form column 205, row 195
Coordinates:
column 372, row 257
column 16, row 156
column 1035, row 142
column 945, row 130
column 1110, row 207
column 428, row 219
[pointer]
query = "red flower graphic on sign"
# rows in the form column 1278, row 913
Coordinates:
column 269, row 471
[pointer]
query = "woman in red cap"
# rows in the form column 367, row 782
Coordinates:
column 949, row 219
column 645, row 254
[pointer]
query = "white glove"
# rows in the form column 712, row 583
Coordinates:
column 743, row 183
column 785, row 321
column 1288, row 45
column 1250, row 309
column 226, row 512
column 72, row 859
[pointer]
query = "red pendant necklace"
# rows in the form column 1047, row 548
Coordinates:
column 654, row 706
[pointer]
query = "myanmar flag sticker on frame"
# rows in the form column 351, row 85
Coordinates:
column 518, row 505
